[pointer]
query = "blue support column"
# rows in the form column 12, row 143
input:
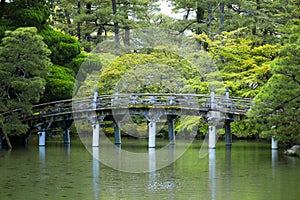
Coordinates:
column 227, row 93
column 171, row 131
column 228, row 135
column 67, row 139
column 212, row 137
column 152, row 118
column 212, row 129
column 96, row 132
column 42, row 137
column 274, row 143
column 152, row 134
column 117, row 133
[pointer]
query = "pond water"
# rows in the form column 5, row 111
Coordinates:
column 246, row 171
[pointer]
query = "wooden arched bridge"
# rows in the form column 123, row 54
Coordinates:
column 214, row 109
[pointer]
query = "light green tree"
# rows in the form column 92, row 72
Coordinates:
column 24, row 64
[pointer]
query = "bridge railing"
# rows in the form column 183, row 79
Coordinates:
column 185, row 101
column 159, row 100
column 233, row 104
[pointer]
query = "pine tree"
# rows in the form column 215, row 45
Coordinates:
column 23, row 65
column 277, row 105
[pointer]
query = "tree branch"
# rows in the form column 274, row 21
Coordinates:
column 187, row 26
column 288, row 101
column 289, row 75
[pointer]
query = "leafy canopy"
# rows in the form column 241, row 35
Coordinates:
column 24, row 64
column 277, row 105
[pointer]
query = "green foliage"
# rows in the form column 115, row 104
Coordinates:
column 244, row 128
column 277, row 105
column 88, row 75
column 190, row 124
column 19, row 13
column 154, row 71
column 63, row 47
column 60, row 84
column 24, row 63
column 93, row 21
column 243, row 65
column 264, row 19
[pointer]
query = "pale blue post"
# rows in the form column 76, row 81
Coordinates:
column 171, row 131
column 96, row 132
column 67, row 139
column 212, row 128
column 212, row 137
column 152, row 134
column 117, row 133
column 274, row 143
column 42, row 137
column 227, row 93
column 95, row 98
column 228, row 135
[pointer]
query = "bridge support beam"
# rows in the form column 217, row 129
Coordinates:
column 42, row 137
column 228, row 135
column 152, row 134
column 274, row 143
column 96, row 134
column 171, row 130
column 67, row 139
column 212, row 137
column 117, row 132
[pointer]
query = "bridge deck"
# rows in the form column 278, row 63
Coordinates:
column 171, row 104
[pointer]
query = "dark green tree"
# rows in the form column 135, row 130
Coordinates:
column 63, row 47
column 24, row 64
column 277, row 106
column 59, row 84
column 19, row 13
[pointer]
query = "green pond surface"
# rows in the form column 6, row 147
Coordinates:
column 250, row 171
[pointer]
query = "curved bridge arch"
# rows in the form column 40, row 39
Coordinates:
column 94, row 108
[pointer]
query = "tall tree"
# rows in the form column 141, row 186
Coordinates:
column 277, row 106
column 262, row 18
column 99, row 19
column 24, row 63
column 244, row 67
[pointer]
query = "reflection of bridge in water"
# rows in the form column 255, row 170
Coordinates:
column 216, row 110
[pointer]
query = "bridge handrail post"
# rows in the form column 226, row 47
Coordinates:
column 95, row 98
column 227, row 93
column 212, row 98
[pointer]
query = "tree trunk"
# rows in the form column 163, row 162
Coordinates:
column 254, row 30
column 67, row 14
column 8, row 141
column 116, row 24
column 127, row 36
column 2, row 3
column 200, row 18
column 78, row 23
column 222, row 19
